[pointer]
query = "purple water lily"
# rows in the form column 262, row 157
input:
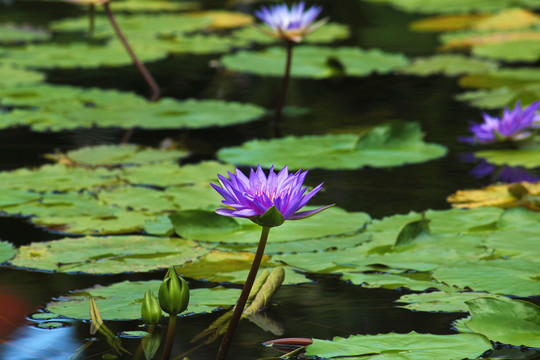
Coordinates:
column 517, row 124
column 254, row 196
column 293, row 24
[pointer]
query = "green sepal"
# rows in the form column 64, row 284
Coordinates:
column 173, row 293
column 150, row 309
column 271, row 218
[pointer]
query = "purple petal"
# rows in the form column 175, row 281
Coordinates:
column 305, row 214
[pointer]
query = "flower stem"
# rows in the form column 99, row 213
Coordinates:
column 170, row 337
column 284, row 86
column 142, row 69
column 239, row 309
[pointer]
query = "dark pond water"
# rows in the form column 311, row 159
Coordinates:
column 321, row 309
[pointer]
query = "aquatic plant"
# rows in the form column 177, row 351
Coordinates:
column 290, row 25
column 517, row 124
column 268, row 202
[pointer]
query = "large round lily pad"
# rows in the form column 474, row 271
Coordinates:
column 107, row 255
column 384, row 146
column 315, row 61
column 122, row 301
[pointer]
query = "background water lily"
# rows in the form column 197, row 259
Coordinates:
column 291, row 24
column 514, row 125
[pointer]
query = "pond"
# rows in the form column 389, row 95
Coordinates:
column 377, row 100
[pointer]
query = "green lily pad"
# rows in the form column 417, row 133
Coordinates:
column 11, row 34
column 43, row 316
column 50, row 325
column 208, row 226
column 384, row 146
column 107, row 255
column 516, row 277
column 315, row 61
column 441, row 301
column 122, row 301
column 390, row 281
column 11, row 76
column 66, row 108
column 151, row 6
column 513, row 322
column 501, row 97
column 449, row 65
column 528, row 158
column 6, row 251
column 455, row 6
column 330, row 32
column 510, row 51
column 411, row 346
column 513, row 78
column 122, row 154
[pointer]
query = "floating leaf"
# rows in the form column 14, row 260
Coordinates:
column 514, row 78
column 508, row 19
column 455, row 6
column 12, row 34
column 496, row 195
column 506, row 277
column 498, row 98
column 6, row 251
column 411, row 346
column 65, row 107
column 510, row 51
column 528, row 158
column 11, row 76
column 390, row 281
column 121, row 154
column 449, row 65
column 107, row 255
column 513, row 322
column 122, row 301
column 315, row 61
column 152, row 5
column 447, row 22
column 441, row 301
column 329, row 33
column 333, row 221
column 384, row 146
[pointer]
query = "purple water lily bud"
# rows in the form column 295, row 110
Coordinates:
column 517, row 124
column 259, row 197
column 292, row 25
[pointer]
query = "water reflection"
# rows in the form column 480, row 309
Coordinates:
column 499, row 173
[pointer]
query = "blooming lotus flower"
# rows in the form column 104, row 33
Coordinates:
column 292, row 25
column 267, row 201
column 514, row 125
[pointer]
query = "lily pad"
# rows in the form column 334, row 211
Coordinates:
column 455, row 6
column 107, row 255
column 12, row 34
column 315, row 61
column 65, row 108
column 390, row 281
column 11, row 76
column 122, row 301
column 411, row 346
column 501, row 97
column 208, row 226
column 441, row 301
column 6, row 251
column 528, row 158
column 510, row 51
column 513, row 322
column 121, row 154
column 449, row 65
column 384, row 146
column 516, row 277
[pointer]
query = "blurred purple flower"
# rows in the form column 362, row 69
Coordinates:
column 517, row 124
column 254, row 196
column 292, row 25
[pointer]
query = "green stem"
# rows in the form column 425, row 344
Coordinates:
column 170, row 337
column 283, row 92
column 142, row 69
column 239, row 309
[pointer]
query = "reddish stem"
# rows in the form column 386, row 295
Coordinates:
column 284, row 87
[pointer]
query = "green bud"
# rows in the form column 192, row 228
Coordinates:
column 271, row 218
column 173, row 293
column 150, row 309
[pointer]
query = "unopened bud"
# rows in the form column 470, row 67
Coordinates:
column 173, row 293
column 150, row 309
